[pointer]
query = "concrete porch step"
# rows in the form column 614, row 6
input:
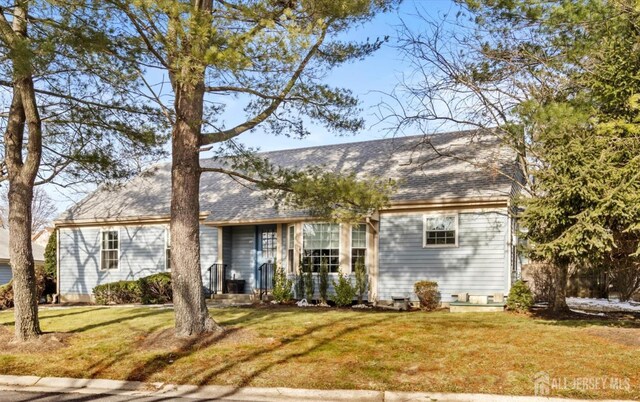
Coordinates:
column 230, row 298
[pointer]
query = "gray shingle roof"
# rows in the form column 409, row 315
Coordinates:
column 441, row 166
column 38, row 250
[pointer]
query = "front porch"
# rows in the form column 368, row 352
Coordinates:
column 244, row 264
column 246, row 256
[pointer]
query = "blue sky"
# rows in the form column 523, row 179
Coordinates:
column 369, row 80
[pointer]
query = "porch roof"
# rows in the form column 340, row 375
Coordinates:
column 448, row 166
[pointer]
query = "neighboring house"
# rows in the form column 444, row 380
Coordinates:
column 42, row 237
column 448, row 221
column 5, row 263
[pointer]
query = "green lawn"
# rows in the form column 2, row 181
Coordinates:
column 313, row 348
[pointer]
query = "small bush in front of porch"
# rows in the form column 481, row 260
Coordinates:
column 156, row 289
column 121, row 292
column 520, row 297
column 427, row 292
column 299, row 286
column 345, row 292
column 362, row 280
column 323, row 279
column 282, row 286
column 309, row 283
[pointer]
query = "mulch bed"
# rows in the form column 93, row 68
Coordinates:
column 46, row 342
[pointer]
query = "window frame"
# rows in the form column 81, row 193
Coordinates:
column 167, row 248
column 291, row 248
column 366, row 245
column 102, row 231
column 302, row 249
column 440, row 215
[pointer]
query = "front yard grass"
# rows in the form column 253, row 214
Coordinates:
column 335, row 349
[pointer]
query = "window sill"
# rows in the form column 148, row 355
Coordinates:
column 436, row 246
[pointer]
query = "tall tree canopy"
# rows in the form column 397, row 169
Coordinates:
column 69, row 114
column 270, row 54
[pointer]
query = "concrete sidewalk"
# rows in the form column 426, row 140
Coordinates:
column 165, row 391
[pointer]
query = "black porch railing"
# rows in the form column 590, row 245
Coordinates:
column 265, row 278
column 217, row 275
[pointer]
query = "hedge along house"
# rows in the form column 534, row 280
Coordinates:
column 5, row 262
column 448, row 221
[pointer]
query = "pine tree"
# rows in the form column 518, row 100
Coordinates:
column 66, row 64
column 271, row 54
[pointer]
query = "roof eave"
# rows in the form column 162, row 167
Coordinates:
column 207, row 219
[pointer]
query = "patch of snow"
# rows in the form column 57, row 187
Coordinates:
column 587, row 313
column 602, row 305
column 361, row 306
column 303, row 303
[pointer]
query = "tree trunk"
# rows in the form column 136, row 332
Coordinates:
column 22, row 168
column 21, row 181
column 559, row 303
column 192, row 316
column 25, row 297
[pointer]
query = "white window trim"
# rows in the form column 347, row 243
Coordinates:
column 167, row 234
column 366, row 244
column 424, row 230
column 340, row 227
column 110, row 229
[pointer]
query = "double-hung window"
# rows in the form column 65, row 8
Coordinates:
column 291, row 238
column 321, row 242
column 440, row 230
column 109, row 250
column 358, row 245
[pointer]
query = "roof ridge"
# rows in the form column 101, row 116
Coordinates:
column 377, row 140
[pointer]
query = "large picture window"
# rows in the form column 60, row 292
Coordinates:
column 440, row 230
column 109, row 250
column 321, row 241
column 358, row 245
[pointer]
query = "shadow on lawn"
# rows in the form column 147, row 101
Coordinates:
column 97, row 368
column 118, row 320
column 46, row 316
column 159, row 362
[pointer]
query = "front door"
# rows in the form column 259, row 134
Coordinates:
column 266, row 251
column 267, row 244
